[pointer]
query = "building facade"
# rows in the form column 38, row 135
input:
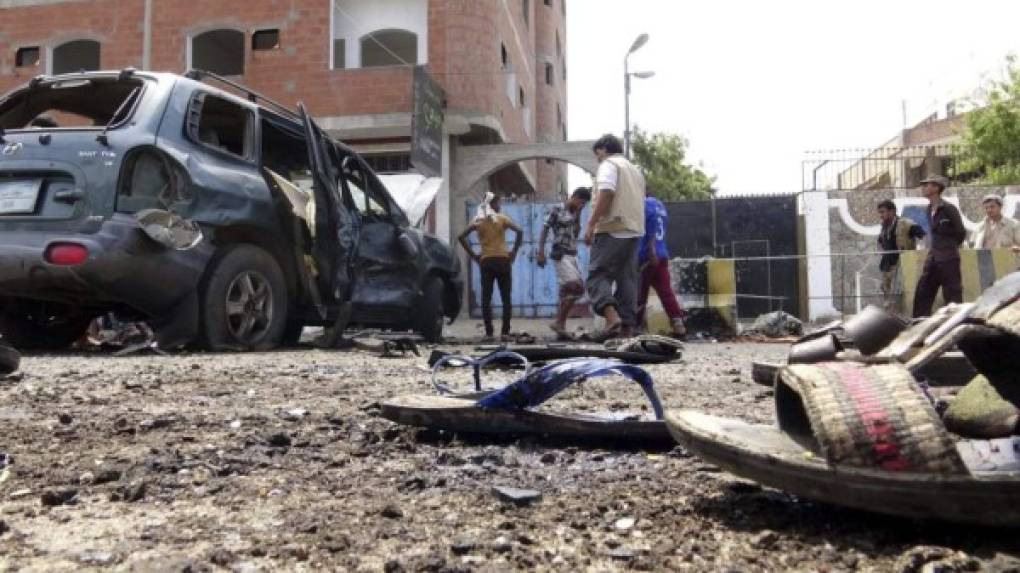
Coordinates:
column 501, row 64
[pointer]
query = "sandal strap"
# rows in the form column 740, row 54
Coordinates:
column 476, row 365
column 538, row 386
column 871, row 416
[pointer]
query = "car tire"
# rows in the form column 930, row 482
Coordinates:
column 433, row 315
column 24, row 332
column 244, row 301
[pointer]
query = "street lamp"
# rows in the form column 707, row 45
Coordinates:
column 638, row 43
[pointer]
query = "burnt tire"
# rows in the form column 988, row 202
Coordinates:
column 37, row 331
column 433, row 315
column 244, row 301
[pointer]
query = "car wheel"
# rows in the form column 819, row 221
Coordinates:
column 244, row 301
column 32, row 331
column 432, row 317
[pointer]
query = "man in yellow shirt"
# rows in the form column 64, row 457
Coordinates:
column 495, row 261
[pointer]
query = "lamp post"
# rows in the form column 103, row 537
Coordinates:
column 638, row 43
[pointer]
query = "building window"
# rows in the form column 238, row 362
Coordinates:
column 389, row 163
column 389, row 48
column 559, row 45
column 219, row 51
column 564, row 71
column 559, row 115
column 526, row 7
column 75, row 56
column 550, row 73
column 265, row 40
column 548, row 2
column 339, row 54
column 504, row 56
column 521, row 98
column 26, row 57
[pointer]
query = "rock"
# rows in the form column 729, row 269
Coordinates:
column 925, row 558
column 97, row 558
column 65, row 419
column 59, row 497
column 502, row 545
column 462, row 546
column 222, row 557
column 765, row 539
column 624, row 523
column 86, row 478
column 393, row 566
column 296, row 552
column 236, row 424
column 525, row 539
column 107, row 476
column 4, row 528
column 548, row 458
column 517, row 496
column 278, row 440
column 134, row 492
column 622, row 554
column 392, row 511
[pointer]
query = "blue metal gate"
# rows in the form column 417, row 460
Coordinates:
column 535, row 293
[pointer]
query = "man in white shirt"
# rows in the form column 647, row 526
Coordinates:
column 997, row 231
column 616, row 226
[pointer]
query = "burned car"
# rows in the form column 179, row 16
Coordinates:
column 213, row 213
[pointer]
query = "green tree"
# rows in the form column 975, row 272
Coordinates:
column 661, row 156
column 990, row 150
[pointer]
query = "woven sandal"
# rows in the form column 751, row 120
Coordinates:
column 867, row 435
column 512, row 410
column 862, row 436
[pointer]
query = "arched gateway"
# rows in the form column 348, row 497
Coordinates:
column 474, row 163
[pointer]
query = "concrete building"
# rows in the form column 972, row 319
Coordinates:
column 923, row 150
column 501, row 64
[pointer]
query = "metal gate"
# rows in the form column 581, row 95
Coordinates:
column 535, row 293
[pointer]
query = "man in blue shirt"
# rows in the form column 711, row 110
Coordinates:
column 653, row 259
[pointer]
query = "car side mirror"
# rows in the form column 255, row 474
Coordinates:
column 407, row 245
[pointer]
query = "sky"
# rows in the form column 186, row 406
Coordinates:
column 754, row 84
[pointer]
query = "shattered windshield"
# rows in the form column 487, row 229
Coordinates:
column 79, row 103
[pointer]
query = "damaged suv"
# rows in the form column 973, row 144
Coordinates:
column 220, row 219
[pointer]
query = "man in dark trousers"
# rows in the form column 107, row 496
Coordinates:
column 942, row 267
column 898, row 234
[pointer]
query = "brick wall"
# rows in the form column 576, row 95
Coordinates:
column 464, row 51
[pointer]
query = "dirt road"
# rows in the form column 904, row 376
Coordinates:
column 279, row 461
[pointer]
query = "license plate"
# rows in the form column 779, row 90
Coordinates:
column 18, row 197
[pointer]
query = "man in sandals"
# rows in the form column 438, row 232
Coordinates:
column 616, row 226
column 564, row 222
column 495, row 261
column 942, row 267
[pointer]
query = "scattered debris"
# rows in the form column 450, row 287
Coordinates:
column 776, row 324
column 517, row 496
column 59, row 497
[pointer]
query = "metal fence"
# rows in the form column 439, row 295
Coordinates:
column 886, row 167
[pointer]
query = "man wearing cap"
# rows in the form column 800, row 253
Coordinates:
column 997, row 231
column 942, row 267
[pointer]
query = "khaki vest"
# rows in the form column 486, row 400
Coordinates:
column 904, row 242
column 627, row 212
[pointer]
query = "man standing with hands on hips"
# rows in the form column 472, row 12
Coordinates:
column 942, row 267
column 616, row 226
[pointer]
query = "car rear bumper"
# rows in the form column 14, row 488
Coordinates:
column 124, row 267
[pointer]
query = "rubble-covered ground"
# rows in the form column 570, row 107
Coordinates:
column 280, row 461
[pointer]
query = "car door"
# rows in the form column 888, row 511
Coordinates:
column 336, row 236
column 388, row 268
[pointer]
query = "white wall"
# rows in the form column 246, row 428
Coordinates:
column 353, row 19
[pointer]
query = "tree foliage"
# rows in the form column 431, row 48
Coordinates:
column 661, row 157
column 990, row 149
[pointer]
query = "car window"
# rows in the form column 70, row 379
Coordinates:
column 222, row 125
column 75, row 104
column 354, row 175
